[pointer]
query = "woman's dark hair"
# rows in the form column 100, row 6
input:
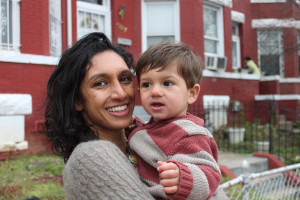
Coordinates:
column 64, row 126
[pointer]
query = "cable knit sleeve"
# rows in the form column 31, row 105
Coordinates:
column 196, row 156
column 99, row 170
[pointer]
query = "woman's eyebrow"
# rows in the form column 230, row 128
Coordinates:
column 96, row 76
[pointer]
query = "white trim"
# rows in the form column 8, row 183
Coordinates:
column 268, row 1
column 277, row 97
column 227, row 3
column 28, row 58
column 237, row 17
column 228, row 75
column 279, row 79
column 275, row 23
column 289, row 80
column 69, row 22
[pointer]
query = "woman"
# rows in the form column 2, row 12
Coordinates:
column 90, row 100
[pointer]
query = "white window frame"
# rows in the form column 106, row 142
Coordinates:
column 103, row 10
column 211, row 58
column 280, row 46
column 144, row 19
column 236, row 39
column 15, row 29
column 55, row 29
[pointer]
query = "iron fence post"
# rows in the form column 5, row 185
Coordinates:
column 271, row 112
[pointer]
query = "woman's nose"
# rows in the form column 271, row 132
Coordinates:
column 118, row 91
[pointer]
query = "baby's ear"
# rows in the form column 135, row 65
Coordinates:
column 193, row 94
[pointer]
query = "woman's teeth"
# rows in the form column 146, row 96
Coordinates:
column 117, row 109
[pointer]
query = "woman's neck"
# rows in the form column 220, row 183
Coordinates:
column 115, row 136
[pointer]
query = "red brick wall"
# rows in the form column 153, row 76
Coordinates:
column 131, row 22
column 191, row 25
column 290, row 52
column 34, row 17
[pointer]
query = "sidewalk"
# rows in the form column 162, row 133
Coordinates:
column 234, row 162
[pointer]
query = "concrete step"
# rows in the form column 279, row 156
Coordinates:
column 234, row 162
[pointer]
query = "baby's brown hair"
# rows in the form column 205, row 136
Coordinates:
column 161, row 55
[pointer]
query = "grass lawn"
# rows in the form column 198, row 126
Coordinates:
column 28, row 176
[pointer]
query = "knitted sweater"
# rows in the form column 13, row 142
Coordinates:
column 184, row 141
column 99, row 170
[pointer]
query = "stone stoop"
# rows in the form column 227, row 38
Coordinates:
column 13, row 108
column 234, row 161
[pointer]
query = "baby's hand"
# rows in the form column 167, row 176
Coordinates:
column 169, row 176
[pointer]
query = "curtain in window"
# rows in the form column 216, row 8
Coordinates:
column 6, row 22
column 55, row 27
column 210, row 30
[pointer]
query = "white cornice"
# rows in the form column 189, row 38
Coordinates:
column 268, row 1
column 227, row 3
column 237, row 17
column 276, row 23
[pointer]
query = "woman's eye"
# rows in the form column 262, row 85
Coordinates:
column 145, row 85
column 126, row 79
column 168, row 83
column 99, row 84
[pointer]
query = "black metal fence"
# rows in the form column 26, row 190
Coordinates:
column 266, row 126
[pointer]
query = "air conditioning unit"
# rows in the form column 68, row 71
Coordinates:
column 215, row 63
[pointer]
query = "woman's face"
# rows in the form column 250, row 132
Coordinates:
column 108, row 93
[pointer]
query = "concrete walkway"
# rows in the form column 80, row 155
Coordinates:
column 234, row 162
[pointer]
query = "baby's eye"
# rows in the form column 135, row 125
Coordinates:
column 168, row 83
column 145, row 85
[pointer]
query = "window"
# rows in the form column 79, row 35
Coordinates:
column 10, row 25
column 55, row 27
column 93, row 16
column 160, row 22
column 236, row 56
column 270, row 57
column 213, row 34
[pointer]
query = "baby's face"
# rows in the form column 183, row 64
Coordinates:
column 164, row 93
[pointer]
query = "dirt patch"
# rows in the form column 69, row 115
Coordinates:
column 46, row 179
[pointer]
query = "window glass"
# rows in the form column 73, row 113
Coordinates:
column 6, row 23
column 210, row 22
column 269, row 49
column 93, row 1
column 55, row 27
column 10, row 25
column 213, row 35
column 93, row 18
column 213, row 30
column 160, row 22
column 235, row 47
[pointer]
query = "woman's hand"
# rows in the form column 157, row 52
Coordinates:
column 169, row 176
